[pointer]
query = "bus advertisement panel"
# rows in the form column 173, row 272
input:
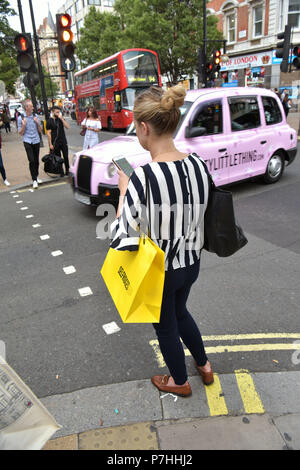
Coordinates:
column 112, row 84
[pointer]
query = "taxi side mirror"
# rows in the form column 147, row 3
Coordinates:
column 191, row 132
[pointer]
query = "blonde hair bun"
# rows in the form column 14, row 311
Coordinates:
column 173, row 97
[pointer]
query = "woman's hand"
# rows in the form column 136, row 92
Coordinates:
column 123, row 182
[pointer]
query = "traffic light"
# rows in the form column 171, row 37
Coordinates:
column 217, row 61
column 65, row 41
column 25, row 56
column 296, row 53
column 210, row 71
column 31, row 80
column 283, row 48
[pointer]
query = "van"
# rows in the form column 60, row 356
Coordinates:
column 240, row 133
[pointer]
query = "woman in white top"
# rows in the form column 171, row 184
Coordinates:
column 92, row 124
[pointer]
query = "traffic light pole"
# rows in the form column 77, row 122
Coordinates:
column 39, row 63
column 204, row 44
column 31, row 88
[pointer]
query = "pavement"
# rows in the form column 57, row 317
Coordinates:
column 240, row 411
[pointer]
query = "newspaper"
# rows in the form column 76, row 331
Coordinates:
column 25, row 424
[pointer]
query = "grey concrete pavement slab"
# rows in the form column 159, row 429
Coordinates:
column 114, row 405
column 279, row 392
column 222, row 433
column 289, row 428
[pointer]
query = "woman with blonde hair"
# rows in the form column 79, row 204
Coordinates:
column 178, row 195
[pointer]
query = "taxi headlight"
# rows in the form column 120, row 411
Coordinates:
column 111, row 171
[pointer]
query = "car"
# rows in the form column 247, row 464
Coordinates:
column 239, row 132
column 15, row 106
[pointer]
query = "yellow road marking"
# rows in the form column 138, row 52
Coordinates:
column 251, row 400
column 42, row 187
column 229, row 348
column 215, row 398
column 250, row 336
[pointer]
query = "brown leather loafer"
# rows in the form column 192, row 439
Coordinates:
column 160, row 381
column 207, row 377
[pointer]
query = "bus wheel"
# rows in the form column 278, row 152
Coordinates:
column 274, row 169
column 110, row 125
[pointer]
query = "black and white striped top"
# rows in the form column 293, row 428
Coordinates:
column 178, row 195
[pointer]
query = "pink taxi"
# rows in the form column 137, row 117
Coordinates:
column 241, row 133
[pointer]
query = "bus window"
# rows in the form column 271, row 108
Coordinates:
column 96, row 102
column 128, row 96
column 141, row 68
column 118, row 105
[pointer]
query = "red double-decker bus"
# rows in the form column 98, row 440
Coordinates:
column 111, row 85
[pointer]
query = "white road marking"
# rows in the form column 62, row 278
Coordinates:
column 44, row 237
column 56, row 253
column 16, row 195
column 29, row 216
column 84, row 291
column 19, row 202
column 36, row 225
column 111, row 328
column 69, row 270
column 25, row 208
column 12, row 192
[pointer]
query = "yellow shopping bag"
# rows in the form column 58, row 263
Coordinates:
column 135, row 280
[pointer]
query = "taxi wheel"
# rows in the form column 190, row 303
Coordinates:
column 274, row 169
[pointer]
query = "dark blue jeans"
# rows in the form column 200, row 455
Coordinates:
column 176, row 322
column 2, row 169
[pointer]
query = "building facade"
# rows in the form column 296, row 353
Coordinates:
column 78, row 9
column 250, row 28
column 49, row 52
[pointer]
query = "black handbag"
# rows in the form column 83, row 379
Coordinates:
column 53, row 164
column 222, row 235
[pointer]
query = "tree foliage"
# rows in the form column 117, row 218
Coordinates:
column 173, row 28
column 9, row 70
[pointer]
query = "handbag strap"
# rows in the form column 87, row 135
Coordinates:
column 147, row 201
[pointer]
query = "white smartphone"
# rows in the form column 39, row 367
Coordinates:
column 124, row 165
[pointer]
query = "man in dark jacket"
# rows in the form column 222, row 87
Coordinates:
column 56, row 126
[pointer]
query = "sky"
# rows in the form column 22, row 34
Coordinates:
column 40, row 10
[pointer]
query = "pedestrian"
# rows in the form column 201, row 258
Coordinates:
column 174, row 177
column 29, row 127
column 285, row 104
column 92, row 124
column 2, row 169
column 6, row 119
column 56, row 126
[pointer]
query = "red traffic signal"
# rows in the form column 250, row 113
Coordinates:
column 296, row 53
column 25, row 56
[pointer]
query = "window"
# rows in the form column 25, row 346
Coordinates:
column 257, row 21
column 94, row 2
column 244, row 113
column 231, row 28
column 79, row 25
column 281, row 23
column 77, row 6
column 96, row 102
column 209, row 116
column 272, row 111
column 294, row 13
column 107, row 68
column 108, row 3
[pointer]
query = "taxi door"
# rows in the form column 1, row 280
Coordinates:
column 205, row 136
column 247, row 143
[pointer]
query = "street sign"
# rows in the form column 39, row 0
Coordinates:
column 68, row 64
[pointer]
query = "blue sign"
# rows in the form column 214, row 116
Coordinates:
column 106, row 82
column 68, row 64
